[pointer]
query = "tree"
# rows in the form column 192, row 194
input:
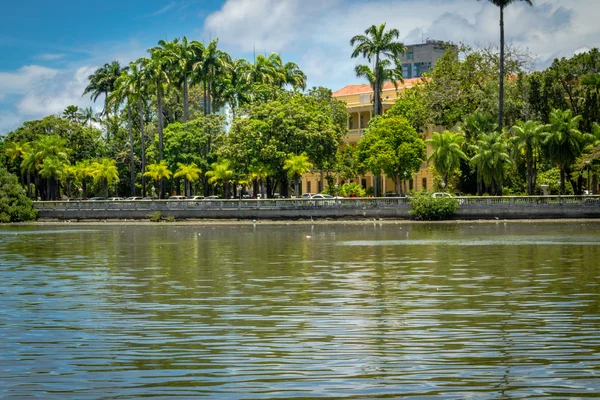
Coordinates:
column 502, row 4
column 446, row 154
column 72, row 114
column 105, row 171
column 393, row 146
column 564, row 142
column 102, row 82
column 491, row 155
column 375, row 45
column 14, row 204
column 159, row 172
column 221, row 172
column 386, row 74
column 87, row 116
column 296, row 165
column 527, row 139
column 190, row 173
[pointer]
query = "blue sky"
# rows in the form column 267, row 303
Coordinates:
column 50, row 47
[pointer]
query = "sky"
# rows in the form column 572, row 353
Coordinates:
column 49, row 48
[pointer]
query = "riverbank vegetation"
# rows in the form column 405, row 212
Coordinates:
column 189, row 119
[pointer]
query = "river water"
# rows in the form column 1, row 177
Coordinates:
column 373, row 310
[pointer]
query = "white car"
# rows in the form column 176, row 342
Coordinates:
column 441, row 194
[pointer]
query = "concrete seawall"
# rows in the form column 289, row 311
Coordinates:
column 470, row 208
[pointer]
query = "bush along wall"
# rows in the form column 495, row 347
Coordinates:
column 426, row 207
column 15, row 206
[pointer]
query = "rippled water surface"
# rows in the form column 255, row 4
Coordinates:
column 493, row 310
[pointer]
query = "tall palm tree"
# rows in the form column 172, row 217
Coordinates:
column 564, row 142
column 137, row 77
column 259, row 174
column 491, row 154
column 527, row 139
column 446, row 154
column 221, row 172
column 237, row 84
column 53, row 150
column 502, row 4
column 266, row 70
column 211, row 64
column 376, row 45
column 181, row 57
column 83, row 170
column 159, row 172
column 296, row 165
column 190, row 173
column 106, row 172
column 292, row 75
column 102, row 82
column 386, row 74
column 16, row 153
column 156, row 75
column 124, row 92
column 52, row 169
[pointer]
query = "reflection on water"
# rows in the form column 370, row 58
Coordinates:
column 499, row 310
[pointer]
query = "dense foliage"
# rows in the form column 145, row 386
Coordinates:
column 14, row 204
column 426, row 207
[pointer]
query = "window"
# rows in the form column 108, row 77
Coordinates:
column 307, row 186
column 410, row 185
column 362, row 121
column 363, row 183
column 351, row 123
column 424, row 183
column 410, row 56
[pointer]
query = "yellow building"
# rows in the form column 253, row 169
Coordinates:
column 359, row 104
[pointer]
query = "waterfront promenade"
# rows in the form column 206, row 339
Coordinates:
column 505, row 207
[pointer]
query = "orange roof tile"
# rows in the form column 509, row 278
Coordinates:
column 366, row 88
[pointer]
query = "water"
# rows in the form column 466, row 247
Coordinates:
column 483, row 311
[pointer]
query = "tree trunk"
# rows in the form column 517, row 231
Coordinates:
column 131, row 163
column 376, row 93
column 186, row 107
column 204, row 102
column 161, row 187
column 106, row 188
column 562, row 179
column 143, row 148
column 530, row 175
column 501, row 94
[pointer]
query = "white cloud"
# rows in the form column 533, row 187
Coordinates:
column 50, row 56
column 20, row 81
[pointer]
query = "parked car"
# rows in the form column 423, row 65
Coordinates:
column 177, row 198
column 195, row 198
column 97, row 198
column 394, row 195
column 148, row 198
column 441, row 194
column 115, row 198
column 307, row 195
column 133, row 198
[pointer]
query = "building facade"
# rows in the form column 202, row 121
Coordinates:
column 359, row 105
column 421, row 58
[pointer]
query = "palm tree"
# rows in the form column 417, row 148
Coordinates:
column 126, row 90
column 527, row 139
column 83, row 170
column 102, row 82
column 87, row 116
column 16, row 153
column 386, row 74
column 296, row 165
column 159, row 172
column 52, row 169
column 259, row 174
column 212, row 63
column 266, row 70
column 137, row 77
column 502, row 4
column 564, row 141
column 446, row 154
column 491, row 154
column 237, row 84
column 221, row 172
column 292, row 75
column 181, row 57
column 71, row 113
column 106, row 172
column 376, row 45
column 190, row 173
column 156, row 75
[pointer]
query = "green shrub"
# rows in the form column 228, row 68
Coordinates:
column 15, row 206
column 170, row 218
column 155, row 216
column 425, row 207
column 352, row 190
column 370, row 191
